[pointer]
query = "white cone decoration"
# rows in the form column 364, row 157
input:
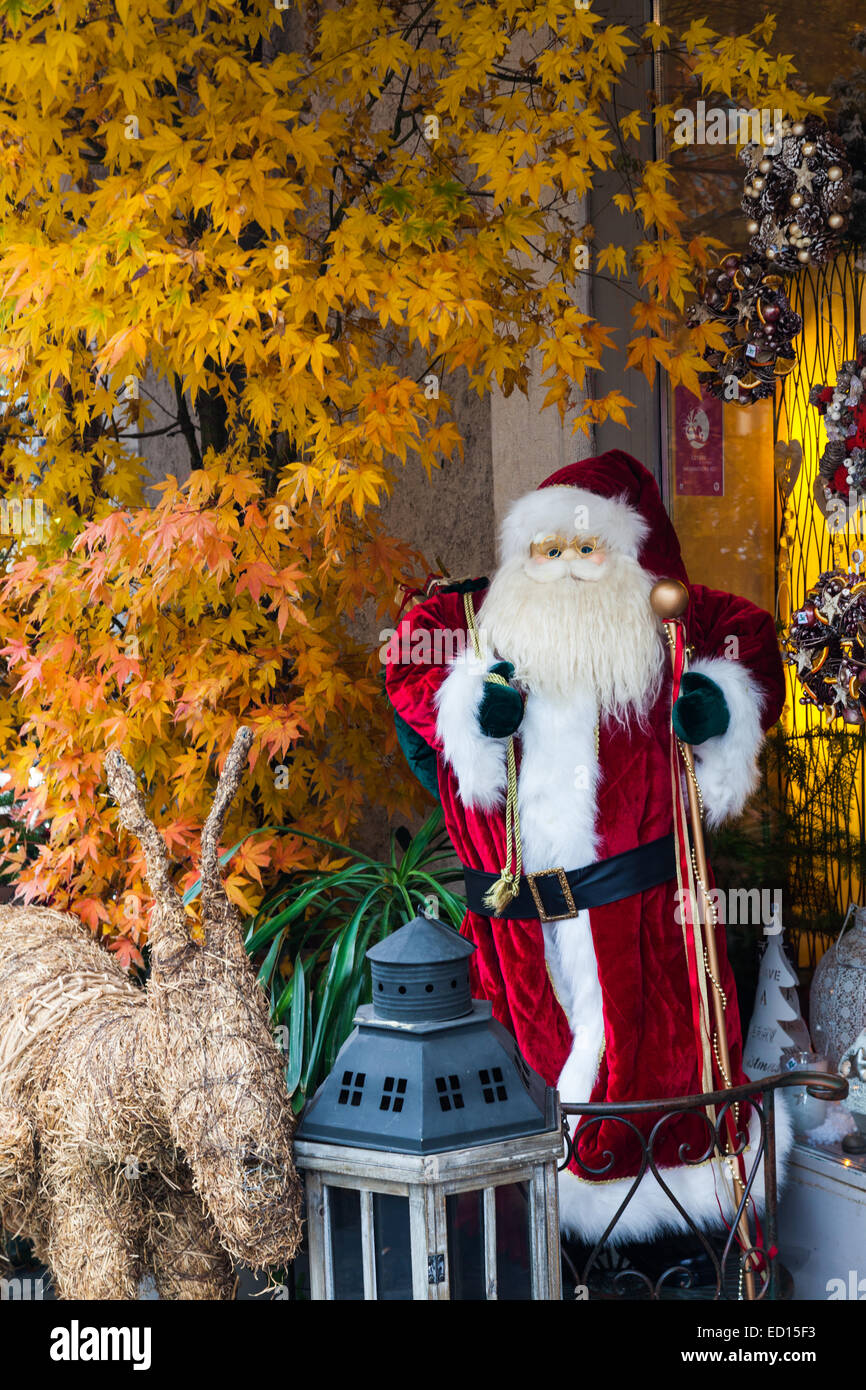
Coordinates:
column 777, row 1022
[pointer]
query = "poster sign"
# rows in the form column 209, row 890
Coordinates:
column 699, row 464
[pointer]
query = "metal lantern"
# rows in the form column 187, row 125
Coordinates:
column 430, row 1151
column 838, row 996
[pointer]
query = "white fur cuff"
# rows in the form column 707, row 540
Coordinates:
column 478, row 761
column 586, row 1208
column 727, row 764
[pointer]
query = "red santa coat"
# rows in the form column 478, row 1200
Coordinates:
column 599, row 1004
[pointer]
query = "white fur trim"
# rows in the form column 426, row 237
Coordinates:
column 557, row 805
column 586, row 1208
column 558, row 781
column 554, row 510
column 478, row 761
column 727, row 765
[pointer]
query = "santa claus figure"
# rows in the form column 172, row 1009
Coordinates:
column 584, row 960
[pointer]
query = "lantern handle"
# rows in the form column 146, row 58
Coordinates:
column 852, row 907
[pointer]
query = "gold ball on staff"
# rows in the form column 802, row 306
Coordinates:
column 669, row 599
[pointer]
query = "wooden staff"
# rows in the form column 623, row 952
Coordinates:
column 669, row 599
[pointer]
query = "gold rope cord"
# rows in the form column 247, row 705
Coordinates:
column 507, row 885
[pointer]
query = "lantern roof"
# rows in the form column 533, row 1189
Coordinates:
column 427, row 1068
column 423, row 941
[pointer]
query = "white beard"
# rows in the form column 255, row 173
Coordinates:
column 580, row 628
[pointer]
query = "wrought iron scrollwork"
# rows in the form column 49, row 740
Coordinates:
column 729, row 1264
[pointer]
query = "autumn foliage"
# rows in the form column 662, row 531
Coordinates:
column 304, row 223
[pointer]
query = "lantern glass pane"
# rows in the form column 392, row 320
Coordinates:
column 465, row 1245
column 393, row 1247
column 513, row 1272
column 345, row 1208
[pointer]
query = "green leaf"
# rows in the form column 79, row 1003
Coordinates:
column 296, row 1027
column 422, row 840
column 270, row 961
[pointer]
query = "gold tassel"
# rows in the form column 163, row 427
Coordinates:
column 499, row 895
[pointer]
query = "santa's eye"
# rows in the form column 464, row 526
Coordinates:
column 587, row 548
column 554, row 552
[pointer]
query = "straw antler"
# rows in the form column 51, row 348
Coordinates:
column 213, row 890
column 124, row 788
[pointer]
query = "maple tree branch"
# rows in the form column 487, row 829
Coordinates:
column 186, row 426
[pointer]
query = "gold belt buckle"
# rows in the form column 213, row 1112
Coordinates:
column 566, row 893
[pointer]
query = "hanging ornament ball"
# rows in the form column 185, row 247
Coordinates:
column 797, row 128
column 804, row 256
column 835, row 220
column 808, row 148
column 765, row 166
column 796, row 200
column 834, row 173
column 758, row 183
column 753, row 227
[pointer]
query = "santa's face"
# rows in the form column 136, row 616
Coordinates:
column 574, row 617
column 552, row 558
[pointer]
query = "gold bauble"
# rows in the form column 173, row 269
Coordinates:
column 804, row 257
column 808, row 148
column 753, row 227
column 834, row 173
column 669, row 599
column 796, row 200
column 765, row 166
column 797, row 128
column 836, row 220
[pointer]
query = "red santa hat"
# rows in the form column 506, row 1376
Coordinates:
column 610, row 496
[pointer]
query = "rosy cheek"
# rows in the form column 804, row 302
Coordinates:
column 598, row 557
column 539, row 559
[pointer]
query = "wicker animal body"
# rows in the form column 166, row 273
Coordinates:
column 144, row 1130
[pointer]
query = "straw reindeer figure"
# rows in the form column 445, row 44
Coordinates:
column 144, row 1130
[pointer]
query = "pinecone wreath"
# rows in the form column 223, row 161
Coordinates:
column 827, row 643
column 842, row 466
column 746, row 296
column 797, row 194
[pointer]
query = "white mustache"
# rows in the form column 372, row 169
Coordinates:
column 551, row 571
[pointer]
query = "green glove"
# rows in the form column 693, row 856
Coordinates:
column 501, row 708
column 701, row 711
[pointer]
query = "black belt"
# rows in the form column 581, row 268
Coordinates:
column 552, row 894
